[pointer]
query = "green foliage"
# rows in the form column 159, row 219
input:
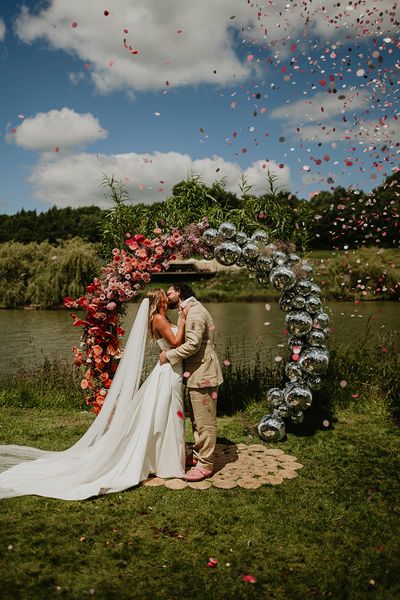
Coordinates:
column 53, row 225
column 43, row 274
column 51, row 384
column 365, row 274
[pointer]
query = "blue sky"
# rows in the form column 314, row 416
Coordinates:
column 149, row 91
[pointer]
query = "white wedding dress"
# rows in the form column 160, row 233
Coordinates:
column 139, row 431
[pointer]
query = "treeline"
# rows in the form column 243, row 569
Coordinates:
column 43, row 274
column 53, row 225
column 330, row 220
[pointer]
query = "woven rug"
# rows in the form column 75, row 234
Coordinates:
column 240, row 466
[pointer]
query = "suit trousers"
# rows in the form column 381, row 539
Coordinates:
column 203, row 414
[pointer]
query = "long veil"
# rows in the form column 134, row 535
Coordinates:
column 83, row 466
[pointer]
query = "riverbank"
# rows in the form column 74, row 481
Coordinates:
column 366, row 274
column 38, row 277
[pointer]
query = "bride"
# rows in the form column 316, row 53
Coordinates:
column 139, row 430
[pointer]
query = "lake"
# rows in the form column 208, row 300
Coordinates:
column 247, row 328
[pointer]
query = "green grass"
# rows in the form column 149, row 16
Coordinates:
column 337, row 272
column 331, row 533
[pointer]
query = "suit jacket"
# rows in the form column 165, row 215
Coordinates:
column 197, row 351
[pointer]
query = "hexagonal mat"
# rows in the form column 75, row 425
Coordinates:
column 240, row 466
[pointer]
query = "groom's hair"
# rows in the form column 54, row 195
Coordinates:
column 184, row 290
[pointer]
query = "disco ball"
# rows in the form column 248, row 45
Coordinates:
column 293, row 371
column 314, row 361
column 315, row 289
column 282, row 411
column 241, row 238
column 303, row 287
column 227, row 253
column 307, row 270
column 274, row 398
column 298, row 302
column 264, row 265
column 297, row 417
column 227, row 230
column 285, row 303
column 295, row 342
column 210, row 236
column 208, row 254
column 280, row 258
column 321, row 321
column 271, row 429
column 298, row 396
column 298, row 323
column 250, row 252
column 282, row 277
column 260, row 237
column 313, row 304
column 316, row 337
column 293, row 258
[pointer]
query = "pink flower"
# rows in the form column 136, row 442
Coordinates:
column 84, row 384
column 146, row 277
column 111, row 306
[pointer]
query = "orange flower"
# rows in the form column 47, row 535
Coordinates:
column 104, row 377
column 97, row 350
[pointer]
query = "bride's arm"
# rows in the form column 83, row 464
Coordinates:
column 163, row 328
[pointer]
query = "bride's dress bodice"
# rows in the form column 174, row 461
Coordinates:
column 163, row 344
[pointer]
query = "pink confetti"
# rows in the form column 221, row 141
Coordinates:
column 249, row 579
column 250, row 57
column 74, row 25
column 186, row 374
column 293, row 47
column 212, row 562
column 180, row 414
column 56, row 149
column 227, row 362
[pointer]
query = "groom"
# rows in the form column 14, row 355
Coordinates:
column 204, row 376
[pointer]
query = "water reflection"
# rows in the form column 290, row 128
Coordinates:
column 247, row 328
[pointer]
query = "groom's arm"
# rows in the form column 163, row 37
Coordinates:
column 195, row 328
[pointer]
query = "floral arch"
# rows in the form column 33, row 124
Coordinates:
column 276, row 263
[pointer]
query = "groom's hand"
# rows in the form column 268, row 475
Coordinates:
column 163, row 358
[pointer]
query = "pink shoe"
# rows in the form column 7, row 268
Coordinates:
column 191, row 461
column 197, row 474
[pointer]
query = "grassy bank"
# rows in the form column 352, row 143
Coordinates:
column 363, row 274
column 361, row 376
column 42, row 274
column 330, row 533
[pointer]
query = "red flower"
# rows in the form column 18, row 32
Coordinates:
column 68, row 302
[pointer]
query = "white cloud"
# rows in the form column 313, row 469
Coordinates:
column 179, row 41
column 76, row 77
column 322, row 106
column 75, row 180
column 2, row 30
column 57, row 128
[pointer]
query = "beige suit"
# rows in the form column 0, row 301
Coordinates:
column 202, row 364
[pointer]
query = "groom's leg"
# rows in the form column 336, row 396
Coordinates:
column 204, row 407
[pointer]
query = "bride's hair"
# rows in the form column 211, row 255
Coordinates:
column 154, row 297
